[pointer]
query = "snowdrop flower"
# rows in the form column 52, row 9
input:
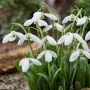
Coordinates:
column 68, row 38
column 76, row 54
column 24, row 63
column 68, row 18
column 51, row 16
column 81, row 21
column 48, row 55
column 56, row 25
column 36, row 18
column 85, row 46
column 87, row 37
column 12, row 36
column 50, row 40
column 30, row 37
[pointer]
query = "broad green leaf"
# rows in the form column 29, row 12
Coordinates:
column 31, row 84
column 77, row 85
column 45, row 85
column 60, row 88
column 45, row 77
column 17, row 66
column 56, row 73
column 39, row 80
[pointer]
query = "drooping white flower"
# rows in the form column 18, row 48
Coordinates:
column 51, row 16
column 68, row 38
column 51, row 40
column 69, row 18
column 76, row 54
column 85, row 46
column 36, row 18
column 78, row 37
column 56, row 25
column 48, row 55
column 24, row 63
column 62, row 39
column 81, row 21
column 12, row 36
column 87, row 37
column 42, row 23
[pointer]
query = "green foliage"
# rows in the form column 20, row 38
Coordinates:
column 60, row 74
column 85, row 4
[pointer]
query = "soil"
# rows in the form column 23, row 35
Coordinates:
column 10, row 79
column 15, row 81
column 11, row 52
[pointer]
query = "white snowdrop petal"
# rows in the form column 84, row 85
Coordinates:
column 41, row 43
column 78, row 37
column 59, row 27
column 81, row 21
column 87, row 54
column 68, row 18
column 20, row 35
column 87, row 37
column 6, row 38
column 47, row 28
column 24, row 63
column 69, row 39
column 35, row 61
column 51, row 16
column 41, row 55
column 42, row 23
column 51, row 40
column 48, row 56
column 12, row 38
column 74, row 55
column 21, row 41
column 37, row 14
column 85, row 46
column 62, row 39
column 53, row 54
column 34, row 38
column 28, row 22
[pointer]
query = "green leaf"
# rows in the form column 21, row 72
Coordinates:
column 31, row 84
column 45, row 77
column 77, row 85
column 45, row 85
column 39, row 80
column 60, row 88
column 17, row 66
column 56, row 73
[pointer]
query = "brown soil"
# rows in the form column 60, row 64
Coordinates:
column 11, row 52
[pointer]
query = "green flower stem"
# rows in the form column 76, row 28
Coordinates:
column 31, row 50
column 48, row 8
column 49, row 72
column 41, row 32
column 79, row 13
column 19, row 25
column 83, row 29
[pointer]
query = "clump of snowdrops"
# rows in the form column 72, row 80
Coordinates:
column 62, row 63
